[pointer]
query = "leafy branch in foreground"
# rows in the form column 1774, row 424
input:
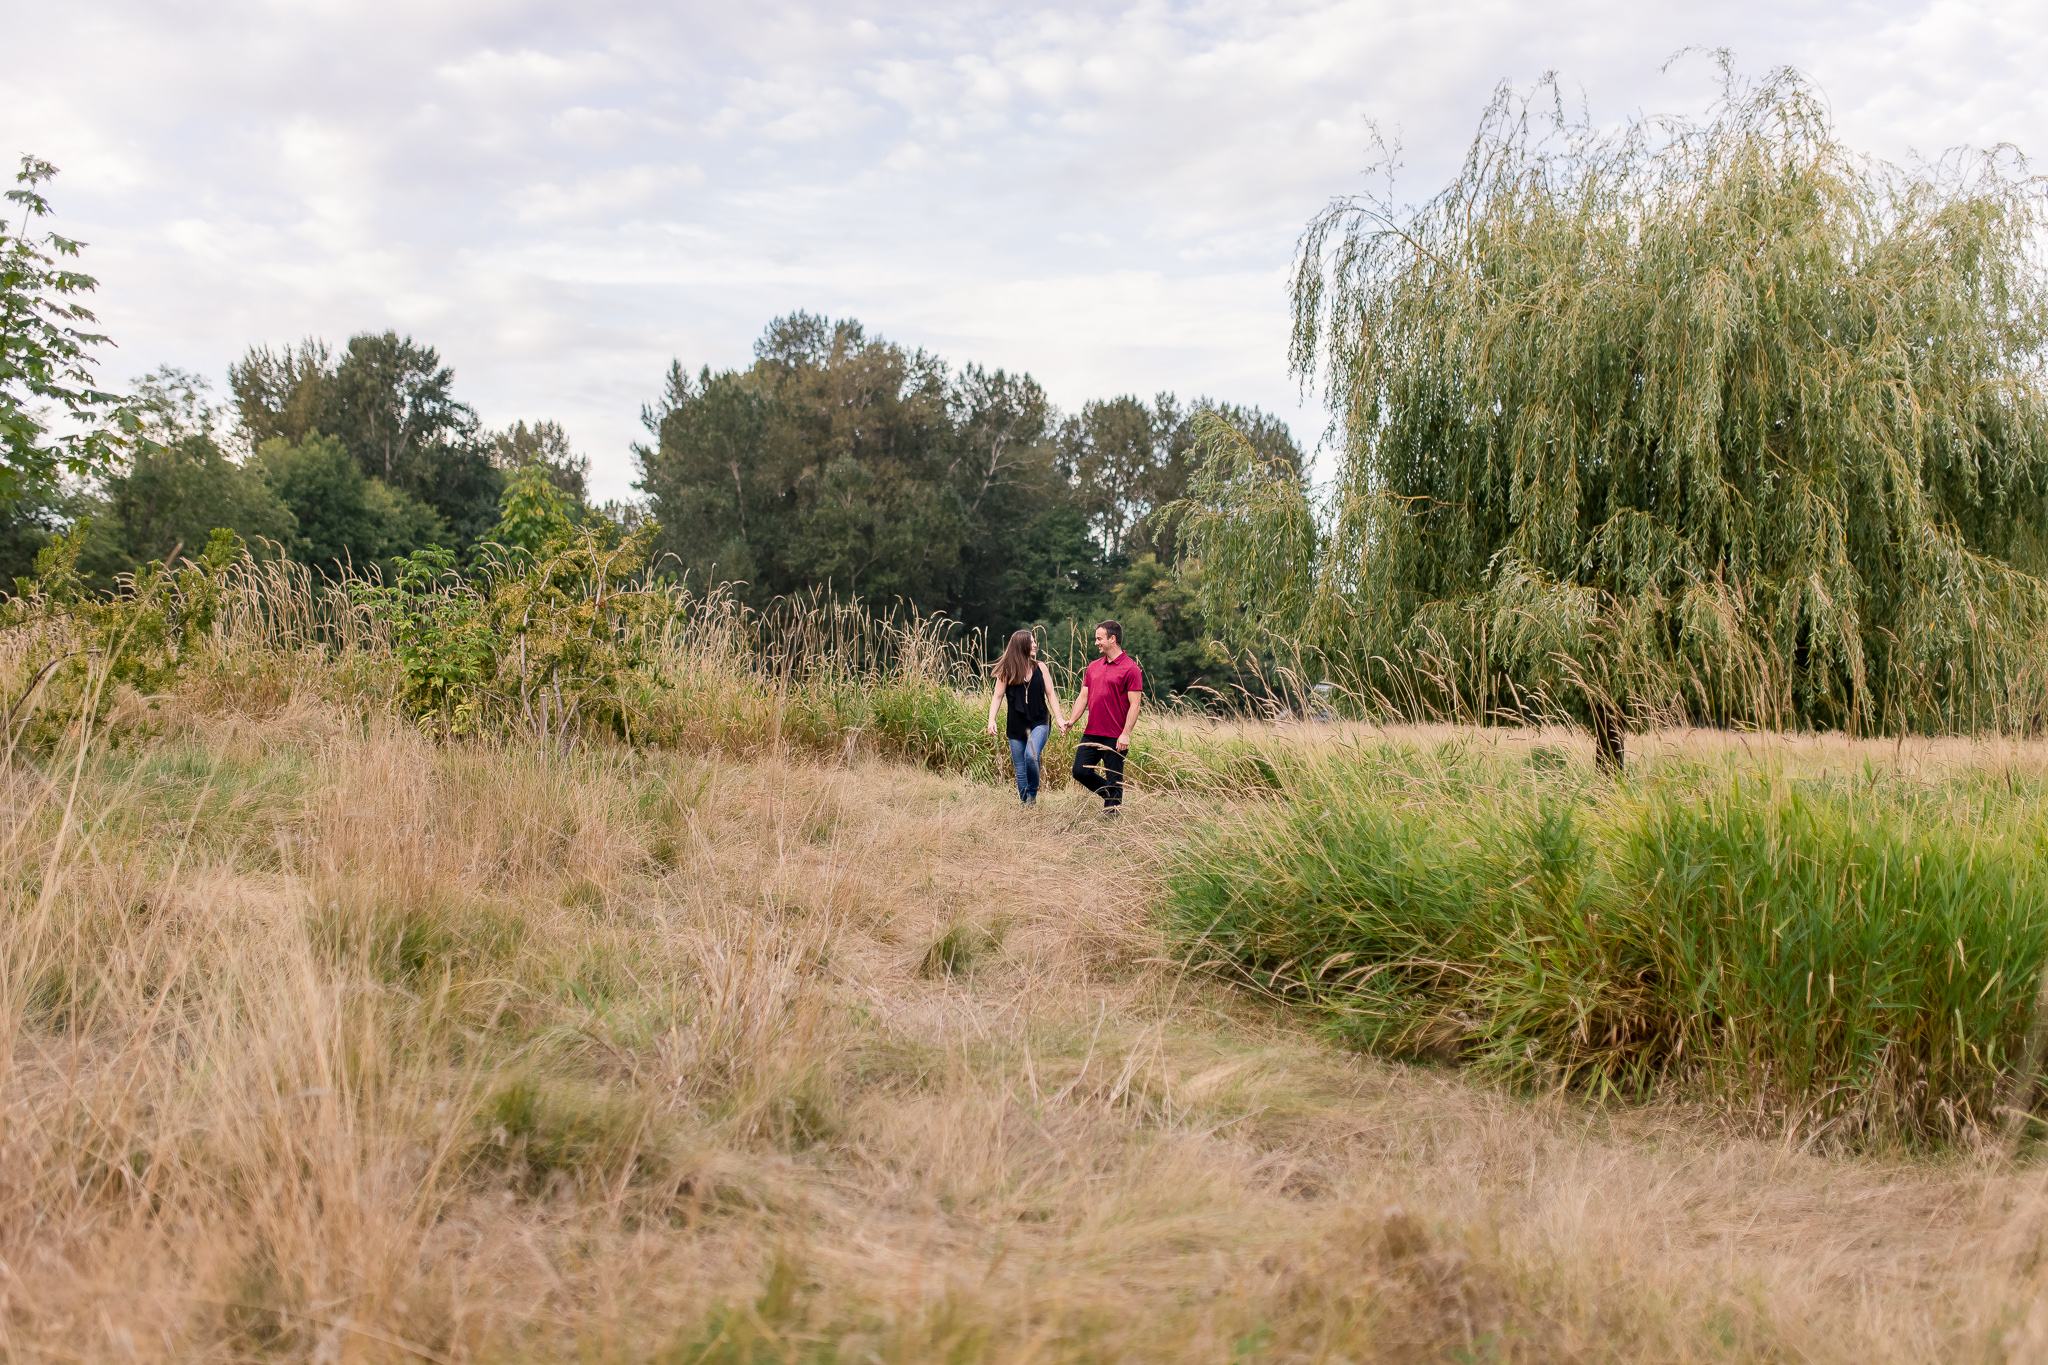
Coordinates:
column 1714, row 421
column 45, row 355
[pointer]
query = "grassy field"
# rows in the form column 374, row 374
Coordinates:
column 771, row 1029
column 329, row 1042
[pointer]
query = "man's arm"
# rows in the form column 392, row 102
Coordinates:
column 1136, row 699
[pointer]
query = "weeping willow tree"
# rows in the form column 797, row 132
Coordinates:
column 1709, row 420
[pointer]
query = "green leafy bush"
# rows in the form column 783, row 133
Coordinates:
column 534, row 643
column 84, row 647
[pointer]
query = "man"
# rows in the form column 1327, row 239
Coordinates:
column 1108, row 711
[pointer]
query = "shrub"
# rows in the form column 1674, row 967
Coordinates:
column 84, row 647
column 540, row 643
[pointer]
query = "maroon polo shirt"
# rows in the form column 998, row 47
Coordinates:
column 1109, row 687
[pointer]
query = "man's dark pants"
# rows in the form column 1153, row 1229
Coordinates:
column 1100, row 751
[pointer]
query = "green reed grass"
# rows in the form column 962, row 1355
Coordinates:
column 1858, row 953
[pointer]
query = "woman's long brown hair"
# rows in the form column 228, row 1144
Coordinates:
column 1015, row 665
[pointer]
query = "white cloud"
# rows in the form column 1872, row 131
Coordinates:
column 527, row 74
column 608, row 195
column 1108, row 195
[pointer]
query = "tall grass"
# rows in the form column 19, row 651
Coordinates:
column 325, row 1038
column 808, row 674
column 1859, row 952
column 1853, row 952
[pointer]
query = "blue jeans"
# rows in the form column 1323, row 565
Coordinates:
column 1024, row 758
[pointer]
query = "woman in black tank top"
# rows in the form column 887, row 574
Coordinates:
column 1026, row 685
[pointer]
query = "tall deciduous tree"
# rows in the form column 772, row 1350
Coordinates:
column 344, row 519
column 1029, row 554
column 1129, row 463
column 390, row 402
column 839, row 460
column 285, row 394
column 544, row 445
column 1114, row 452
column 828, row 462
column 47, row 367
column 46, row 350
column 1711, row 418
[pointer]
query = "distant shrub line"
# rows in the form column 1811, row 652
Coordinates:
column 574, row 639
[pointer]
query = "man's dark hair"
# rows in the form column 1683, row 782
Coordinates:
column 1115, row 629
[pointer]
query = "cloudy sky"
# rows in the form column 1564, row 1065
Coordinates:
column 564, row 197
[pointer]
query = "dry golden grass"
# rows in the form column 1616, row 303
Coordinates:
column 326, row 1043
column 1786, row 753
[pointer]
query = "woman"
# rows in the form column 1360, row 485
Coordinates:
column 1027, row 685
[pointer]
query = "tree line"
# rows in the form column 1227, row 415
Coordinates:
column 1712, row 420
column 844, row 462
column 340, row 459
column 836, row 462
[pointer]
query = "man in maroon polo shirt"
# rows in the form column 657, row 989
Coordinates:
column 1107, row 713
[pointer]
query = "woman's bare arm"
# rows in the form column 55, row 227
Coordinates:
column 1052, row 695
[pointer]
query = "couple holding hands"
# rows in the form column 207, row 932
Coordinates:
column 1106, row 712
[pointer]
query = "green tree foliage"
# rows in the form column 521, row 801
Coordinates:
column 1116, row 453
column 390, row 402
column 1713, row 419
column 1164, row 629
column 169, row 501
column 845, row 462
column 45, row 353
column 1251, row 540
column 46, row 366
column 840, row 461
column 342, row 517
column 535, row 511
column 1028, row 554
column 539, row 644
column 177, row 488
column 546, row 446
column 1130, row 464
column 285, row 394
column 84, row 646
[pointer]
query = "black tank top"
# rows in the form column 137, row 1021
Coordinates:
column 1027, row 704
